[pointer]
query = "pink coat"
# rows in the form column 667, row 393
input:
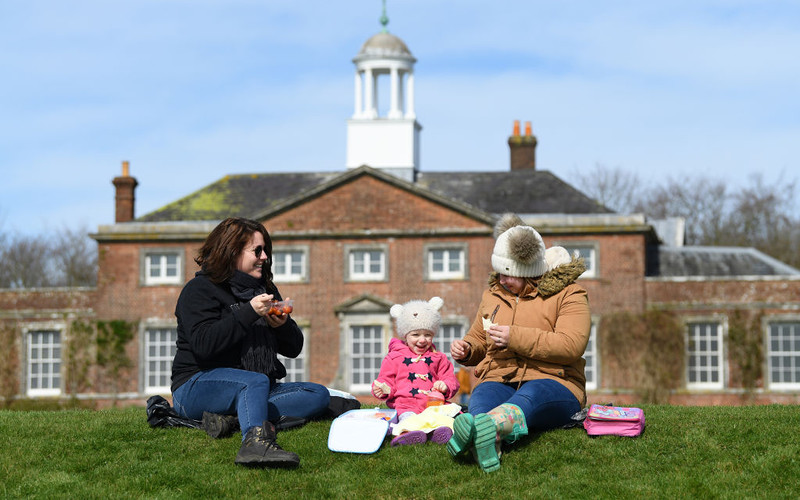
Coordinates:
column 411, row 376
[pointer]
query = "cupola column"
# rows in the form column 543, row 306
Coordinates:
column 410, row 96
column 371, row 94
column 396, row 109
column 359, row 101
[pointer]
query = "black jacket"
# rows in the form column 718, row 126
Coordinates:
column 213, row 326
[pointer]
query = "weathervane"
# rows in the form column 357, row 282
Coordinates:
column 384, row 19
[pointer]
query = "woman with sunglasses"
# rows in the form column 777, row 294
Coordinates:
column 228, row 341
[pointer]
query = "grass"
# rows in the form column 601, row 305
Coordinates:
column 685, row 452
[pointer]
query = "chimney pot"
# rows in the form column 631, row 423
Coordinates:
column 124, row 198
column 523, row 149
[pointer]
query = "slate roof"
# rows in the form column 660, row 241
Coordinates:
column 517, row 191
column 687, row 262
column 245, row 195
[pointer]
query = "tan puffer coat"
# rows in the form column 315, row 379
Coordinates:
column 548, row 336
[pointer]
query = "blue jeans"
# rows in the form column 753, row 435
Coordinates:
column 545, row 403
column 250, row 395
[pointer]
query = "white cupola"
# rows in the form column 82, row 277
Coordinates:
column 389, row 141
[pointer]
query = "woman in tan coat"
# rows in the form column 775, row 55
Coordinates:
column 526, row 343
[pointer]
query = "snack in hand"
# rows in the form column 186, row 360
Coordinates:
column 487, row 323
column 281, row 307
column 384, row 387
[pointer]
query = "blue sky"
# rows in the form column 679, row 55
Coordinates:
column 189, row 91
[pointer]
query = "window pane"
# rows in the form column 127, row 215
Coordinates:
column 160, row 349
column 367, row 349
column 784, row 355
column 44, row 362
column 704, row 356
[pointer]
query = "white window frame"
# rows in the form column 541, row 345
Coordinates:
column 592, row 357
column 164, row 356
column 352, row 251
column 788, row 326
column 699, row 345
column 446, row 273
column 287, row 255
column 297, row 368
column 449, row 331
column 35, row 361
column 163, row 278
column 589, row 252
column 373, row 351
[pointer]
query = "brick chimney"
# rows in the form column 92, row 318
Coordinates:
column 523, row 148
column 125, row 199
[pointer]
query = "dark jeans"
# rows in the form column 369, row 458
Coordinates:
column 545, row 403
column 249, row 395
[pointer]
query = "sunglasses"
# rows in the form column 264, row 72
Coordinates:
column 258, row 251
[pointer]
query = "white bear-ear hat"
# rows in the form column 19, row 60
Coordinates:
column 417, row 315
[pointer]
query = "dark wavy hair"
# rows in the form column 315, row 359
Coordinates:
column 223, row 246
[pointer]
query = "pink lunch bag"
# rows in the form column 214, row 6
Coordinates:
column 614, row 421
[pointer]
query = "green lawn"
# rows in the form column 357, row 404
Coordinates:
column 685, row 452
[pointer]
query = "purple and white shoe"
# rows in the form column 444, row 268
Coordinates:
column 441, row 435
column 410, row 437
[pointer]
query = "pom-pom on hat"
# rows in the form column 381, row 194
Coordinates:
column 519, row 250
column 417, row 315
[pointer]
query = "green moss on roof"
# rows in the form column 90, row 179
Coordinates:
column 240, row 195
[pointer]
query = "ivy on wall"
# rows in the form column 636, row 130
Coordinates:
column 79, row 357
column 643, row 352
column 9, row 361
column 112, row 337
column 89, row 347
column 746, row 348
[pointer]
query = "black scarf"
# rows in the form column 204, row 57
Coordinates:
column 259, row 349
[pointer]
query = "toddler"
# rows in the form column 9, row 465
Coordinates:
column 414, row 372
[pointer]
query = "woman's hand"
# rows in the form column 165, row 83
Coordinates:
column 261, row 304
column 499, row 335
column 276, row 321
column 460, row 349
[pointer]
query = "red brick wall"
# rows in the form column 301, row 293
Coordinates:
column 618, row 284
column 726, row 294
column 367, row 203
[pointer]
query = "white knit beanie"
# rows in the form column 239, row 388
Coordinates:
column 417, row 315
column 519, row 250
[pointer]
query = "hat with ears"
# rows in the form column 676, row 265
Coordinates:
column 519, row 250
column 417, row 315
column 556, row 256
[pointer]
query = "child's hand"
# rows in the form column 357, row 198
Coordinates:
column 440, row 386
column 459, row 349
column 380, row 389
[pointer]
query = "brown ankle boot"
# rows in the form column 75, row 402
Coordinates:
column 219, row 426
column 259, row 449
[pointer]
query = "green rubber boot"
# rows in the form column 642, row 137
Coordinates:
column 486, row 437
column 463, row 434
